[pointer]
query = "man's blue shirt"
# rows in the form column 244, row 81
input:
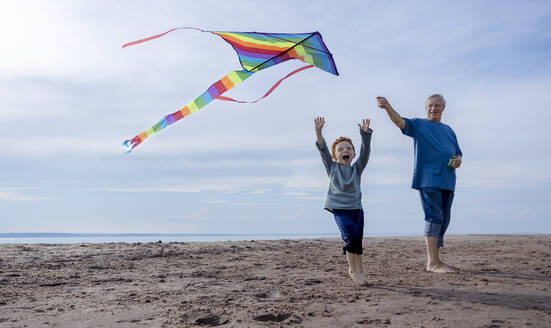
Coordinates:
column 434, row 145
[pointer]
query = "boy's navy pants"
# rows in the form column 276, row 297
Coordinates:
column 351, row 225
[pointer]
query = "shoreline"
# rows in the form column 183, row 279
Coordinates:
column 505, row 282
column 130, row 238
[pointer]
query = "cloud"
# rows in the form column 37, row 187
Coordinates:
column 249, row 185
column 507, row 174
column 198, row 215
column 290, row 193
column 523, row 213
column 260, row 191
column 216, row 201
column 255, row 204
column 14, row 194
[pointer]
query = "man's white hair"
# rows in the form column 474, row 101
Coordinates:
column 437, row 95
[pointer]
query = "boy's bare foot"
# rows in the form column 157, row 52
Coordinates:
column 441, row 268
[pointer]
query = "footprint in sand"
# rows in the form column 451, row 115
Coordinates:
column 211, row 320
column 280, row 317
column 263, row 295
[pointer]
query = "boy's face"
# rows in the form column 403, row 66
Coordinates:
column 344, row 153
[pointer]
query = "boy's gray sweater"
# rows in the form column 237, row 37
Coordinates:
column 345, row 180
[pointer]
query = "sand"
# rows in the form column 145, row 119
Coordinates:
column 505, row 282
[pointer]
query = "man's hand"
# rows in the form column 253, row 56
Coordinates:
column 456, row 162
column 365, row 124
column 382, row 102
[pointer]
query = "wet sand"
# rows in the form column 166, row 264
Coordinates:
column 505, row 282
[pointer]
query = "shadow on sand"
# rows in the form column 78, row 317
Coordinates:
column 509, row 300
column 509, row 275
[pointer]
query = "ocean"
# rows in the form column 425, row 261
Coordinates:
column 91, row 238
column 85, row 238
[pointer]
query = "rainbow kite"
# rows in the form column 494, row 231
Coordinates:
column 256, row 52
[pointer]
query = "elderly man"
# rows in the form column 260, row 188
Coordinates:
column 437, row 155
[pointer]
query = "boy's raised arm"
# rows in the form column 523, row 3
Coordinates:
column 320, row 144
column 365, row 124
column 383, row 103
column 318, row 123
column 366, row 133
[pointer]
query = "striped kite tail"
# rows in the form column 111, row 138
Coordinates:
column 214, row 91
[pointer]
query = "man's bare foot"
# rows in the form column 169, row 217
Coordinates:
column 441, row 268
column 358, row 278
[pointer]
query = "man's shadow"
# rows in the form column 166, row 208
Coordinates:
column 510, row 300
column 497, row 273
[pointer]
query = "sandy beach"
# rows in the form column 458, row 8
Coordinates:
column 505, row 282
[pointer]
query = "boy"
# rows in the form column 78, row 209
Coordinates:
column 344, row 195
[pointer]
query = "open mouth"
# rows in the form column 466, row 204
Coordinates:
column 346, row 157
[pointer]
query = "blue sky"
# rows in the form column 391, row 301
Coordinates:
column 69, row 95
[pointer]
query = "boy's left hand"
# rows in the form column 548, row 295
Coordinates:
column 365, row 124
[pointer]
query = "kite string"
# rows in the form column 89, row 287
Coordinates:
column 281, row 53
column 276, row 37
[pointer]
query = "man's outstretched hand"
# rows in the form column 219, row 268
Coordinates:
column 382, row 102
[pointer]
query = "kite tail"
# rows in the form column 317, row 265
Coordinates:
column 214, row 91
column 160, row 35
column 269, row 91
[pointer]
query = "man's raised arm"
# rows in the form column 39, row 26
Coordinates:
column 383, row 103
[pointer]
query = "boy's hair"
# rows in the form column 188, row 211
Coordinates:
column 336, row 142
